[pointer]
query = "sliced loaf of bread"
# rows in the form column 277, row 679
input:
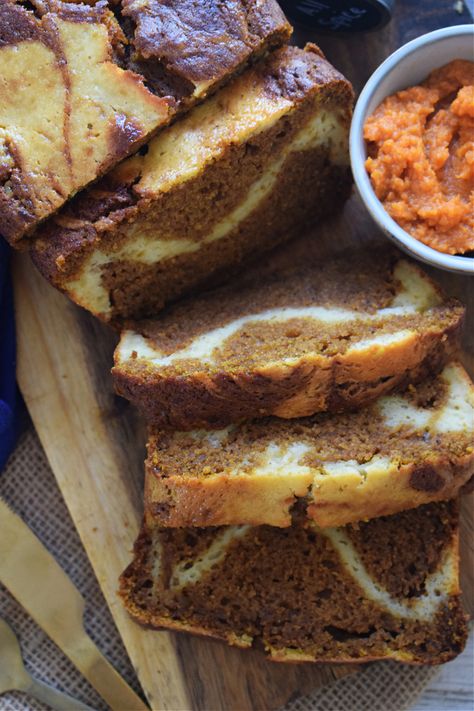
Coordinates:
column 84, row 85
column 386, row 589
column 402, row 451
column 328, row 336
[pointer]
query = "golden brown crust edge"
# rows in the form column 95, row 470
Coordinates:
column 281, row 656
column 177, row 501
column 315, row 384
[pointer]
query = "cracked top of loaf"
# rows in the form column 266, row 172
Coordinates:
column 185, row 47
column 86, row 85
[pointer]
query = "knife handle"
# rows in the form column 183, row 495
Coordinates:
column 53, row 697
column 102, row 676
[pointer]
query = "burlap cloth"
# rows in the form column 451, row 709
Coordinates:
column 28, row 485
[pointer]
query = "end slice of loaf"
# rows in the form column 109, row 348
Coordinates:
column 402, row 451
column 387, row 589
column 326, row 337
column 257, row 162
column 69, row 112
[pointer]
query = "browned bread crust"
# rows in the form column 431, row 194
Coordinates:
column 188, row 49
column 402, row 451
column 387, row 589
column 105, row 68
column 164, row 223
column 293, row 367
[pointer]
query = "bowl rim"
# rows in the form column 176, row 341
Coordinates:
column 456, row 263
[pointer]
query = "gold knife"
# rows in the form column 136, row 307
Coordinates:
column 42, row 587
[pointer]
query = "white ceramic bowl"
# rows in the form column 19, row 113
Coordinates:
column 406, row 67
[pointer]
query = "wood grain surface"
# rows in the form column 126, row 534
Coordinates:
column 95, row 442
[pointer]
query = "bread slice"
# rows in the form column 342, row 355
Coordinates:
column 328, row 336
column 220, row 184
column 387, row 589
column 398, row 453
column 104, row 89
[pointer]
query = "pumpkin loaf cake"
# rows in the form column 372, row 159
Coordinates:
column 402, row 451
column 386, row 589
column 325, row 336
column 258, row 161
column 105, row 72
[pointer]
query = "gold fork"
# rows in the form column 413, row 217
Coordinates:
column 35, row 579
column 13, row 676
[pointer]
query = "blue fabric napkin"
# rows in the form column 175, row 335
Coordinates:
column 9, row 399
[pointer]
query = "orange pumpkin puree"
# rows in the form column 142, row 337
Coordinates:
column 421, row 157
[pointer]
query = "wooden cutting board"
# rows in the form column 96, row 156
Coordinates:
column 95, row 442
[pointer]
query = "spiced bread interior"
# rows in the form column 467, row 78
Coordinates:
column 402, row 451
column 326, row 336
column 258, row 162
column 386, row 589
